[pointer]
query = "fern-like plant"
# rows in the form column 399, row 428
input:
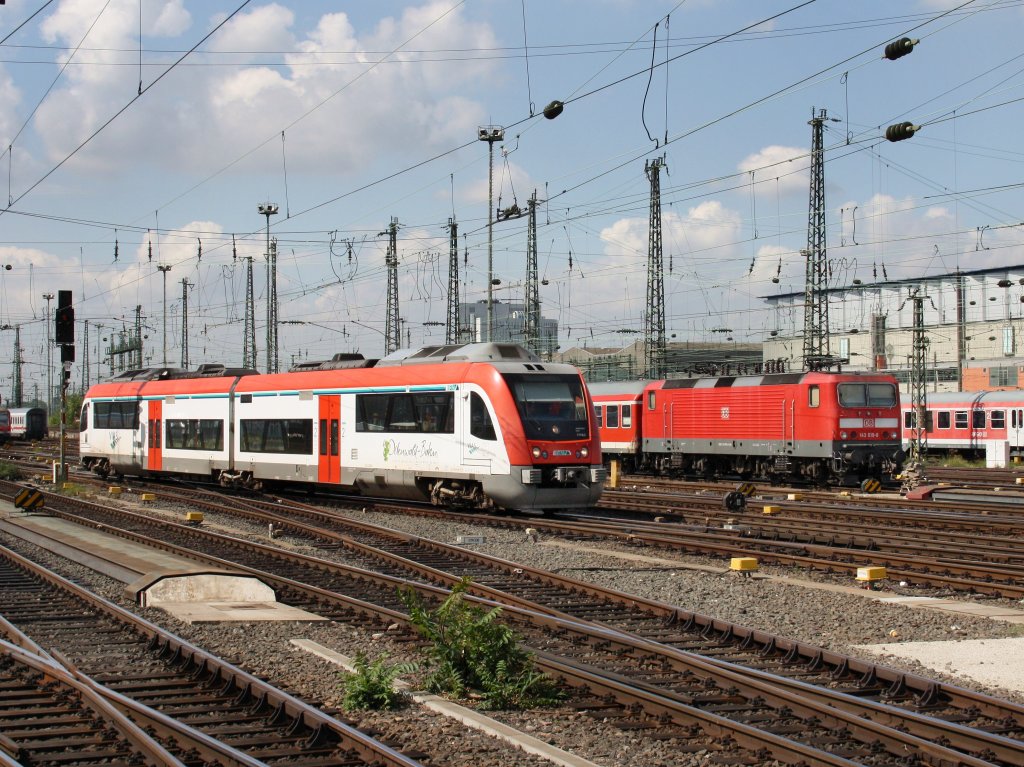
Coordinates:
column 473, row 654
column 372, row 685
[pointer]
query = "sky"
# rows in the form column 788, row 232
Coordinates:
column 139, row 134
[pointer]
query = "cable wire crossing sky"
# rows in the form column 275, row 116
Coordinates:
column 143, row 140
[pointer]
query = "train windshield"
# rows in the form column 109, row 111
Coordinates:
column 552, row 406
column 867, row 395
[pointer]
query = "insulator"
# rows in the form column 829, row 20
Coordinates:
column 552, row 110
column 901, row 131
column 900, row 48
column 1004, row 283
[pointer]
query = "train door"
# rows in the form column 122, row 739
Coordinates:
column 154, row 435
column 329, row 471
column 479, row 443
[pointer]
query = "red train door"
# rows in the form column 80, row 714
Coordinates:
column 330, row 439
column 154, row 435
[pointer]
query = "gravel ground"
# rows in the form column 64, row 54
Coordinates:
column 828, row 619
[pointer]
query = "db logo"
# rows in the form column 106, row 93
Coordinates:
column 869, row 423
column 725, row 414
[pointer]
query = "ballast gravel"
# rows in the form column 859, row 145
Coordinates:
column 827, row 618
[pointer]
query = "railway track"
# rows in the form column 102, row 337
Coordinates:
column 242, row 720
column 683, row 670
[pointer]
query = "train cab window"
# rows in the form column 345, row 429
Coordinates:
column 627, row 416
column 553, row 406
column 598, row 415
column 909, row 419
column 960, row 419
column 997, row 419
column 867, row 395
column 612, row 417
column 977, row 419
column 480, row 425
column 83, row 419
column 943, row 419
column 814, row 395
column 650, row 400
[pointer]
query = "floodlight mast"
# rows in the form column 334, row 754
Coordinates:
column 490, row 134
column 269, row 209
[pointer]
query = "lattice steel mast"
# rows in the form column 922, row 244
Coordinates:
column 533, row 341
column 273, row 366
column 184, row 322
column 249, row 342
column 451, row 328
column 654, row 328
column 85, row 356
column 392, row 331
column 18, row 388
column 816, row 342
column 918, row 381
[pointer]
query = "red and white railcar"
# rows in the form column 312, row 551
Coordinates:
column 970, row 421
column 818, row 426
column 474, row 425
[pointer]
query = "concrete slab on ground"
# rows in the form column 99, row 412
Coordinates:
column 190, row 591
column 993, row 662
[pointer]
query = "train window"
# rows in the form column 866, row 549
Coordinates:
column 960, row 419
column 83, row 419
column 627, row 416
column 909, row 419
column 116, row 415
column 650, row 400
column 598, row 415
column 977, row 419
column 402, row 415
column 943, row 419
column 997, row 419
column 334, row 436
column 480, row 425
column 191, row 434
column 323, row 436
column 814, row 395
column 428, row 412
column 292, row 436
column 611, row 419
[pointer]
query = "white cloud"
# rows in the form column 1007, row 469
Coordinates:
column 336, row 117
column 790, row 165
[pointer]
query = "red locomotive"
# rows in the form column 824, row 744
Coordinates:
column 815, row 426
column 971, row 422
column 474, row 425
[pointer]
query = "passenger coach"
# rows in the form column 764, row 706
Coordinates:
column 476, row 425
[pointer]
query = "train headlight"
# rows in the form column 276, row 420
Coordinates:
column 544, row 454
column 536, row 452
column 584, row 452
column 842, row 435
